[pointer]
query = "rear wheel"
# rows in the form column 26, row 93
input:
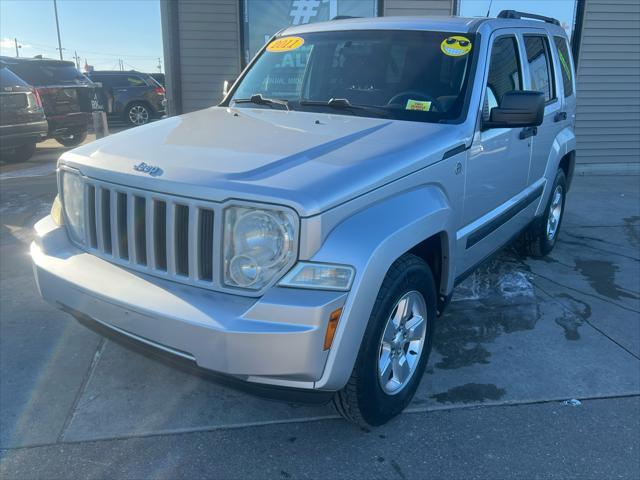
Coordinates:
column 541, row 236
column 72, row 138
column 395, row 347
column 137, row 113
column 19, row 154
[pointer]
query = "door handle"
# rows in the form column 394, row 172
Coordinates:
column 528, row 132
column 560, row 116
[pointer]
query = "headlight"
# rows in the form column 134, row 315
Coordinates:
column 319, row 276
column 73, row 204
column 258, row 244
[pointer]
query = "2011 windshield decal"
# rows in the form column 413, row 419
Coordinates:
column 150, row 169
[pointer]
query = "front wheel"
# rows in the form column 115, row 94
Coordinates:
column 72, row 139
column 395, row 348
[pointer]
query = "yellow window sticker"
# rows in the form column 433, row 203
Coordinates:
column 418, row 105
column 285, row 44
column 455, row 46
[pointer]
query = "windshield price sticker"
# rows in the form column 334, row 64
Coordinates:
column 455, row 46
column 418, row 105
column 285, row 44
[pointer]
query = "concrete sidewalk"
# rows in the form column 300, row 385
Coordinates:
column 520, row 331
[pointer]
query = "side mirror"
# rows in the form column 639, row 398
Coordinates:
column 517, row 109
column 226, row 86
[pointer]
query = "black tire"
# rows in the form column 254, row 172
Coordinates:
column 363, row 400
column 535, row 240
column 19, row 154
column 72, row 139
column 137, row 113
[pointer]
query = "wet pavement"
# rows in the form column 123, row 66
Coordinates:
column 519, row 332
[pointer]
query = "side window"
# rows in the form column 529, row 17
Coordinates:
column 565, row 65
column 540, row 71
column 133, row 81
column 504, row 73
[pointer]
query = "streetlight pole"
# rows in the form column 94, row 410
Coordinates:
column 55, row 8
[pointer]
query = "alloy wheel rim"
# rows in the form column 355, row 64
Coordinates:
column 402, row 342
column 138, row 115
column 555, row 213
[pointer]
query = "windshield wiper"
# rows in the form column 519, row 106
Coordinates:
column 344, row 104
column 260, row 100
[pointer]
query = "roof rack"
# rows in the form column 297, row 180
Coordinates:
column 520, row 15
column 343, row 17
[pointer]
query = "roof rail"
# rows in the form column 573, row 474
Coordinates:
column 519, row 15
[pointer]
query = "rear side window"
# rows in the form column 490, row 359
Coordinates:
column 504, row 73
column 135, row 81
column 565, row 65
column 540, row 71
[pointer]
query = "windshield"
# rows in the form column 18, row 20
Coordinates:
column 407, row 75
column 48, row 74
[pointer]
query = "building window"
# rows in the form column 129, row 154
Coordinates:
column 263, row 18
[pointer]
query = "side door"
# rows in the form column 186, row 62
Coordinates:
column 498, row 163
column 127, row 87
column 540, row 75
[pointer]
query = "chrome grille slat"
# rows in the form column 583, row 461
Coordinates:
column 131, row 228
column 113, row 210
column 171, row 237
column 149, row 225
column 192, row 242
column 99, row 220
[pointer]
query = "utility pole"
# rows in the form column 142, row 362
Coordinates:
column 77, row 59
column 55, row 8
column 159, row 65
column 17, row 47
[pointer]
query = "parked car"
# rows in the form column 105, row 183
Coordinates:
column 305, row 235
column 65, row 94
column 159, row 77
column 22, row 120
column 133, row 96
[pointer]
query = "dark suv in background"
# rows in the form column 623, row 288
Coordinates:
column 22, row 120
column 133, row 96
column 65, row 93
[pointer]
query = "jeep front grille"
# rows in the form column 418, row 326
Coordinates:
column 167, row 236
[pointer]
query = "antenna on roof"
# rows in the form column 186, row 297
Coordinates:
column 489, row 9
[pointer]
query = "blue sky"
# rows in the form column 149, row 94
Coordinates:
column 102, row 31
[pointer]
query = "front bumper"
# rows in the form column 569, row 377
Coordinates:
column 275, row 340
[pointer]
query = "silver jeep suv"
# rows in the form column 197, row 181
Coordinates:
column 304, row 235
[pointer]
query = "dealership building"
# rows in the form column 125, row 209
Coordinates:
column 209, row 41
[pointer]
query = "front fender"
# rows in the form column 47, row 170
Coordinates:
column 371, row 241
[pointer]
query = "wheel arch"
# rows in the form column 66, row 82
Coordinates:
column 562, row 155
column 405, row 229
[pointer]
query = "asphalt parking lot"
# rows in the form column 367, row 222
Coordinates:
column 520, row 338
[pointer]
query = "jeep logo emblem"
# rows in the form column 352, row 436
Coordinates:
column 150, row 169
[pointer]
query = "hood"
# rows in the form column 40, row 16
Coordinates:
column 309, row 161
